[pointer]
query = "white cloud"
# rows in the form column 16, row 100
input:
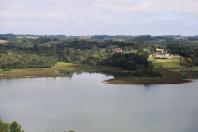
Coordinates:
column 99, row 16
column 150, row 6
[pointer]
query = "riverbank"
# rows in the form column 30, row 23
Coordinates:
column 167, row 77
column 61, row 69
column 58, row 70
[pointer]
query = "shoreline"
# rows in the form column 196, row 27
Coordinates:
column 53, row 72
column 143, row 81
column 167, row 76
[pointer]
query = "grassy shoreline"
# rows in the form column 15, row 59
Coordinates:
column 56, row 71
column 167, row 77
column 61, row 69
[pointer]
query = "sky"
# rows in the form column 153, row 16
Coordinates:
column 97, row 17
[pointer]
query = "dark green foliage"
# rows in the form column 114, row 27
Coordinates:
column 91, row 60
column 183, row 50
column 15, row 127
column 10, row 127
column 149, row 73
column 189, row 51
column 12, row 59
column 4, row 127
column 131, row 61
column 22, row 51
column 186, row 62
column 7, row 36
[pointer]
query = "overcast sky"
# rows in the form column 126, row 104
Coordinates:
column 91, row 17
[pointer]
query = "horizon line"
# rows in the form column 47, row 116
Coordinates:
column 33, row 34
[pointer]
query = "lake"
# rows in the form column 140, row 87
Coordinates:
column 84, row 103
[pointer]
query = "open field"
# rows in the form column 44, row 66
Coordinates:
column 29, row 72
column 165, row 63
column 71, row 67
column 57, row 70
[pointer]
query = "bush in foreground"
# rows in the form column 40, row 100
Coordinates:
column 10, row 127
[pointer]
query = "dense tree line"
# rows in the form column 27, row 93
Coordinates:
column 10, row 59
column 128, row 61
column 44, row 51
column 189, row 52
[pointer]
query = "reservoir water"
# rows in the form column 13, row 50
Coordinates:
column 84, row 103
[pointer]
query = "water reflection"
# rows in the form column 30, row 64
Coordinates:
column 82, row 102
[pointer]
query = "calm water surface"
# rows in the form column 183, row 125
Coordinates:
column 86, row 104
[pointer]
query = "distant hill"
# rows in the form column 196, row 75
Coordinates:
column 7, row 36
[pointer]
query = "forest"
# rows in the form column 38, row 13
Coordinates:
column 31, row 51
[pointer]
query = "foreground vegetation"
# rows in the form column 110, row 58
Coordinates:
column 10, row 127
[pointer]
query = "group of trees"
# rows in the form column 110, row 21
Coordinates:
column 188, row 52
column 45, row 51
column 132, row 61
column 187, row 62
column 12, row 59
column 10, row 127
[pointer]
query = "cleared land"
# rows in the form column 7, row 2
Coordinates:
column 165, row 63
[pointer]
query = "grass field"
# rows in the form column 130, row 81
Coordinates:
column 165, row 63
column 69, row 66
column 29, row 72
column 58, row 70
